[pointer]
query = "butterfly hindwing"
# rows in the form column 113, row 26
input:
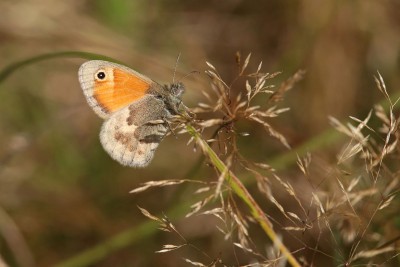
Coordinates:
column 133, row 133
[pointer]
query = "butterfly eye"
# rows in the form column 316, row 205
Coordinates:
column 100, row 75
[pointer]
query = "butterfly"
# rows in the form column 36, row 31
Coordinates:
column 136, row 109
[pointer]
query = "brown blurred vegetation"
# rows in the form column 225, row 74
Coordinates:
column 61, row 192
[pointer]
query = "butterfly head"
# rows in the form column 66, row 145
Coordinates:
column 173, row 98
column 176, row 89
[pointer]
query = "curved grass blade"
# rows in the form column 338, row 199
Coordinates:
column 10, row 69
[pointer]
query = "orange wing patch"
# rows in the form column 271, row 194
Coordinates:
column 118, row 89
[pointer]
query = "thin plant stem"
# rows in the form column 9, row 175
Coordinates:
column 11, row 68
column 241, row 191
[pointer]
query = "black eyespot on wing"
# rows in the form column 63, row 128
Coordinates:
column 100, row 75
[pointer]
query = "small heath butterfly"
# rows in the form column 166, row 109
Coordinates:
column 135, row 109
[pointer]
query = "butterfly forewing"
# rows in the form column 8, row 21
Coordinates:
column 108, row 87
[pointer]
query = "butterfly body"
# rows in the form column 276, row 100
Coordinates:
column 135, row 108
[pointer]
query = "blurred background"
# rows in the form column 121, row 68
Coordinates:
column 61, row 194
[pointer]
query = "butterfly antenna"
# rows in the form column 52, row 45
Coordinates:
column 188, row 74
column 176, row 66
